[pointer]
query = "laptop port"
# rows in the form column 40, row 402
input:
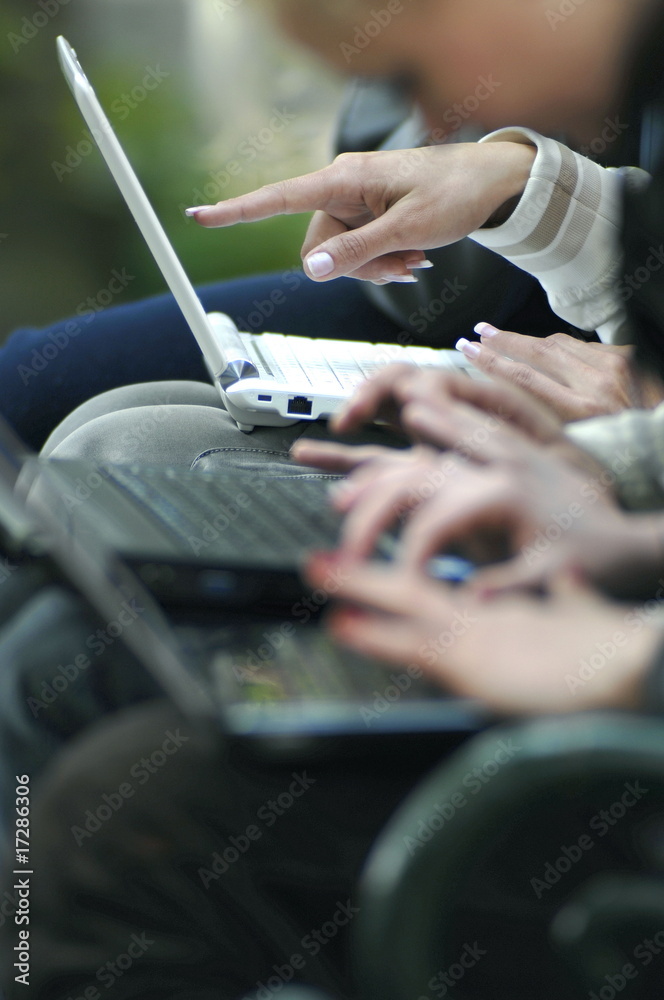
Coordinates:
column 300, row 405
column 265, row 399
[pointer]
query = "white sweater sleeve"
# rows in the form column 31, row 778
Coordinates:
column 566, row 232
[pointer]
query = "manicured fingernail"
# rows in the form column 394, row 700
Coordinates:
column 465, row 346
column 418, row 264
column 199, row 208
column 320, row 264
column 486, row 330
column 403, row 279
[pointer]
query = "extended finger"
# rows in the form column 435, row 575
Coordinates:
column 333, row 456
column 551, row 355
column 559, row 398
column 504, row 400
column 306, row 193
column 473, row 434
column 376, row 398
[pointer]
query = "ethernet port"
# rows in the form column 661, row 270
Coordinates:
column 300, row 405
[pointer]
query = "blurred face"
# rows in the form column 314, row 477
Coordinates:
column 550, row 64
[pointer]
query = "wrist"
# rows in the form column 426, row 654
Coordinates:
column 516, row 161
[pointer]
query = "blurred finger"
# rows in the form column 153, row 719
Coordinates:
column 335, row 457
column 542, row 387
column 373, row 399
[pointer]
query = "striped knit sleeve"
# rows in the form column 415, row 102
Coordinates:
column 566, row 232
column 631, row 447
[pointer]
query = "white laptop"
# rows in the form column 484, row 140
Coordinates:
column 266, row 379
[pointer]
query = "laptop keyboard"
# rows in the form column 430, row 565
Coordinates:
column 328, row 364
column 242, row 664
column 235, row 517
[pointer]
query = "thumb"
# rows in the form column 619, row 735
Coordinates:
column 372, row 244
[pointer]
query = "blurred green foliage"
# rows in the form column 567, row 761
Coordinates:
column 63, row 224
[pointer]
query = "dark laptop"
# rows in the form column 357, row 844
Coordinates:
column 276, row 678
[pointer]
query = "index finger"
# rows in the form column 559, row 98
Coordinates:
column 497, row 397
column 554, row 355
column 377, row 397
column 299, row 194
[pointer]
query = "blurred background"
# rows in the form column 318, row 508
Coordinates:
column 208, row 102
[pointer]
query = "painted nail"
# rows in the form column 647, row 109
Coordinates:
column 486, row 330
column 403, row 279
column 465, row 346
column 320, row 264
column 198, row 208
column 419, row 263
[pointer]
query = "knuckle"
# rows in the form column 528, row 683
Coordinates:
column 492, row 363
column 552, row 344
column 348, row 163
column 353, row 247
column 523, row 376
column 280, row 190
